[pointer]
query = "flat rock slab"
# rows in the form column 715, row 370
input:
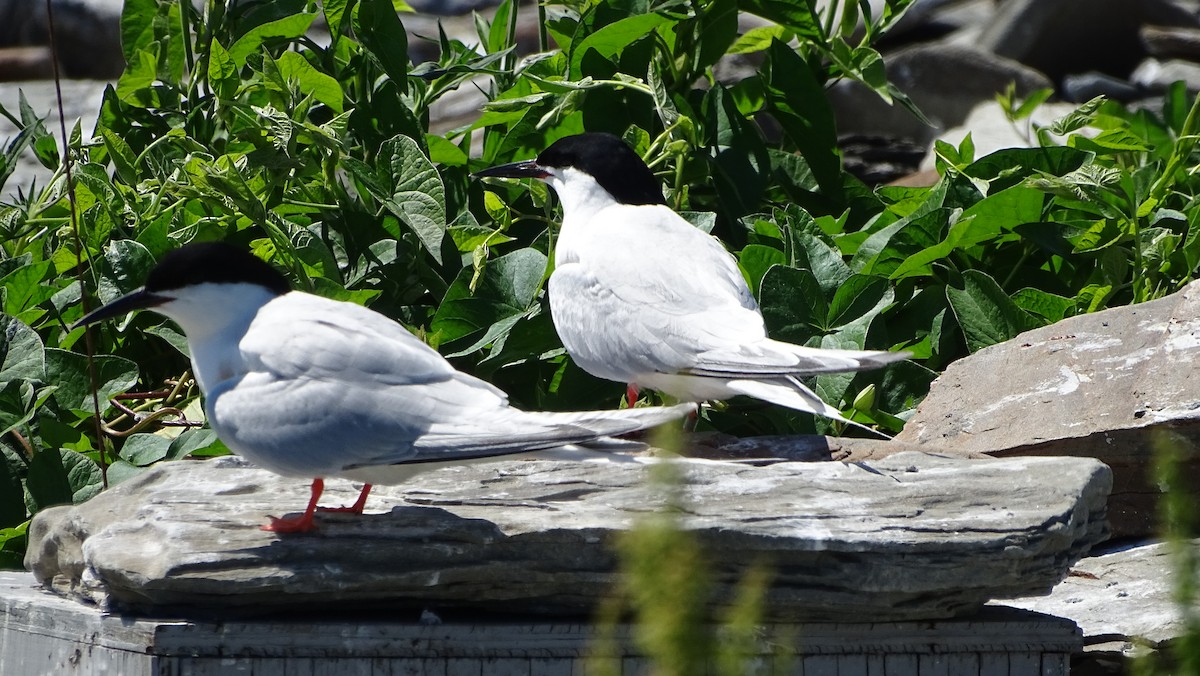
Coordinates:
column 1119, row 600
column 1114, row 385
column 912, row 536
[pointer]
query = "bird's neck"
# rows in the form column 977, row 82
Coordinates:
column 582, row 198
column 214, row 319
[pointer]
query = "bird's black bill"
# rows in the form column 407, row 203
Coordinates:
column 524, row 169
column 134, row 300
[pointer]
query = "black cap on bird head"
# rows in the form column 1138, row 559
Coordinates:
column 189, row 265
column 604, row 157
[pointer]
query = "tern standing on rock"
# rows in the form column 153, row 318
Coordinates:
column 310, row 387
column 643, row 297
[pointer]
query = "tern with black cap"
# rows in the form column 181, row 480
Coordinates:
column 641, row 296
column 305, row 386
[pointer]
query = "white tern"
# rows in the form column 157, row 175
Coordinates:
column 640, row 296
column 305, row 386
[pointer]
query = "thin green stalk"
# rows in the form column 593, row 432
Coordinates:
column 88, row 340
column 543, row 33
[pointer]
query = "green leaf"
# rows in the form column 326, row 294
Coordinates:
column 755, row 260
column 123, row 157
column 610, row 40
column 125, row 267
column 136, row 85
column 793, row 304
column 69, row 371
column 287, row 28
column 507, row 287
column 796, row 98
column 12, row 501
column 409, row 186
column 22, row 356
column 16, row 405
column 717, row 31
column 143, row 449
column 378, row 26
column 23, row 287
column 310, row 81
column 1050, row 307
column 137, row 26
column 859, row 297
column 222, row 71
column 47, row 480
column 199, row 441
column 986, row 314
column 759, row 39
column 1005, row 168
column 823, row 260
column 13, row 542
column 799, row 16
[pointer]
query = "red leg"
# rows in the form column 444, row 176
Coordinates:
column 299, row 524
column 357, row 507
column 631, row 395
column 689, row 422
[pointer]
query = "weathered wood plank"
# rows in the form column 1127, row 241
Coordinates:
column 44, row 634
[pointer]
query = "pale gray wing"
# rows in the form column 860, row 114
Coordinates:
column 349, row 388
column 648, row 293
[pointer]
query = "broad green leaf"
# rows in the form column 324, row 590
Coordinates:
column 222, row 71
column 123, row 157
column 199, row 441
column 137, row 26
column 755, row 260
column 793, row 304
column 173, row 337
column 22, row 355
column 799, row 16
column 143, row 449
column 335, row 14
column 444, row 152
column 69, row 371
column 13, row 542
column 47, row 481
column 287, row 28
column 12, row 502
column 23, row 287
column 507, row 287
column 1050, row 307
column 986, row 314
column 83, row 476
column 413, row 192
column 759, row 39
column 378, row 27
column 469, row 237
column 823, row 260
column 16, row 405
column 310, row 81
column 610, row 40
column 859, row 297
column 125, row 267
column 1005, row 168
column 135, row 86
column 718, row 30
column 796, row 98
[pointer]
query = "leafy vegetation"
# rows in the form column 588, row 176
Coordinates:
column 233, row 123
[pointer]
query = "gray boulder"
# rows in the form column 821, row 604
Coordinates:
column 1060, row 37
column 1110, row 385
column 913, row 536
column 88, row 33
column 946, row 81
column 1124, row 602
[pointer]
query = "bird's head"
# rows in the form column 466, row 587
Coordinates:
column 198, row 285
column 579, row 166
